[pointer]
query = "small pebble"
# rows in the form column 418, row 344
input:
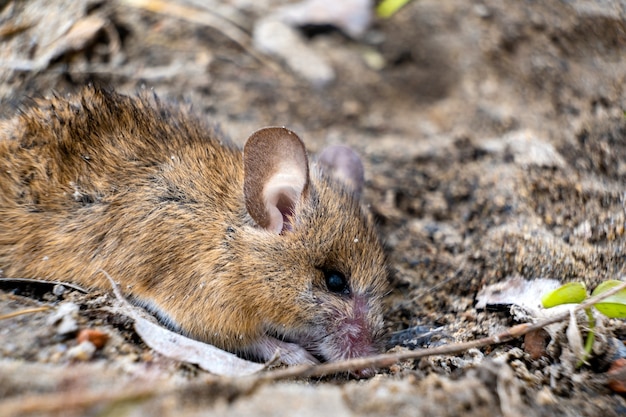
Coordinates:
column 58, row 290
column 617, row 376
column 96, row 337
column 271, row 36
column 482, row 11
column 82, row 352
column 64, row 317
column 545, row 397
column 67, row 326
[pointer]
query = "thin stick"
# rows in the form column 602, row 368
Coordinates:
column 25, row 311
column 44, row 282
column 83, row 400
column 386, row 360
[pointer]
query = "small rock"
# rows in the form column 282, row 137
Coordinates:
column 526, row 148
column 64, row 317
column 545, row 397
column 583, row 230
column 58, row 290
column 439, row 232
column 277, row 38
column 617, row 376
column 67, row 326
column 373, row 59
column 82, row 352
column 482, row 11
column 96, row 337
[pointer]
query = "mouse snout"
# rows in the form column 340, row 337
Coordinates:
column 356, row 330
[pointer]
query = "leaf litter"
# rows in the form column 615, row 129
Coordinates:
column 176, row 346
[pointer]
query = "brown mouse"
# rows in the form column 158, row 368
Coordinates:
column 254, row 252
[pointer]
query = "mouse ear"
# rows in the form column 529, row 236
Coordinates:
column 276, row 175
column 344, row 165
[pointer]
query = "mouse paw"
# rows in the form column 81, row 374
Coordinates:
column 289, row 353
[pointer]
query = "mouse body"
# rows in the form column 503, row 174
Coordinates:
column 255, row 251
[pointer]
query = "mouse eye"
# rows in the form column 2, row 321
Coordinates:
column 336, row 282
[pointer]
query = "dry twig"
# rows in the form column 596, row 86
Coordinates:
column 55, row 402
column 25, row 311
column 385, row 360
column 45, row 282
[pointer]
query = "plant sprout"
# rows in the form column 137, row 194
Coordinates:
column 613, row 306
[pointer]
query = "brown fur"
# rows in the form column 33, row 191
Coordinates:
column 153, row 197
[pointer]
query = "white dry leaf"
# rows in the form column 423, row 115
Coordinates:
column 574, row 338
column 64, row 317
column 523, row 297
column 184, row 349
column 176, row 346
column 516, row 291
column 353, row 17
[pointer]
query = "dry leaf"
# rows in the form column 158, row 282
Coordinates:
column 535, row 344
column 574, row 338
column 516, row 291
column 207, row 357
column 181, row 348
column 353, row 17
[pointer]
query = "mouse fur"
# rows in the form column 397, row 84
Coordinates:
column 159, row 200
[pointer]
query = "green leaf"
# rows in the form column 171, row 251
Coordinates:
column 570, row 293
column 612, row 310
column 388, row 8
column 613, row 306
column 607, row 285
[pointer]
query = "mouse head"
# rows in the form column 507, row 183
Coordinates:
column 327, row 275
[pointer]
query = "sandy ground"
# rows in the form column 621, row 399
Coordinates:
column 494, row 135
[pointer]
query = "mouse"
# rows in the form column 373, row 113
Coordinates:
column 256, row 250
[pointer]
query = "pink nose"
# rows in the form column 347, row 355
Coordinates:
column 354, row 333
